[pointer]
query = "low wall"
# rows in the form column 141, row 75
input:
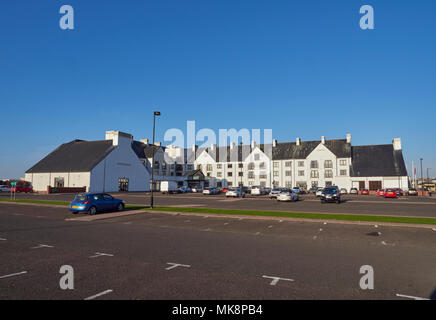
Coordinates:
column 65, row 190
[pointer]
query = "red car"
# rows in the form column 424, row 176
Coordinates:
column 381, row 192
column 391, row 193
column 24, row 189
column 224, row 190
column 364, row 191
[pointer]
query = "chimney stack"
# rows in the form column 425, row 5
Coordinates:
column 232, row 145
column 322, row 139
column 348, row 138
column 144, row 141
column 298, row 141
column 396, row 143
column 213, row 147
column 253, row 144
column 157, row 144
column 275, row 143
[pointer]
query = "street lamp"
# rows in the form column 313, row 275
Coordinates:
column 155, row 113
column 422, row 179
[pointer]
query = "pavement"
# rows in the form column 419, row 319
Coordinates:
column 172, row 256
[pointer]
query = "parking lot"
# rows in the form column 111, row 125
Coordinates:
column 174, row 256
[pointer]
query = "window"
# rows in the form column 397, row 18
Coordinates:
column 198, row 166
column 276, row 164
column 288, row 163
column 343, row 162
column 288, row 173
column 229, row 174
column 328, row 174
column 219, row 174
column 314, row 174
column 250, row 183
column 343, row 172
column 209, row 167
column 190, row 167
column 240, row 165
column 229, row 165
column 240, row 174
column 229, row 184
column 219, row 166
column 164, row 166
column 250, row 174
column 328, row 164
column 301, row 173
column 276, row 173
column 257, row 157
column 301, row 163
column 251, row 166
column 262, row 165
column 328, row 183
column 179, row 167
column 313, row 164
column 59, row 182
column 263, row 183
column 262, row 175
column 288, row 184
column 314, row 184
column 156, row 164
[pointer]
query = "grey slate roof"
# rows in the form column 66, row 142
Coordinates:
column 74, row 156
column 143, row 150
column 290, row 150
column 376, row 161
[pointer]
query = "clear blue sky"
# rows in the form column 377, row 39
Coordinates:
column 302, row 68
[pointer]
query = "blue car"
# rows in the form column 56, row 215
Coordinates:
column 92, row 203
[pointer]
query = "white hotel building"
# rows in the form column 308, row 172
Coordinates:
column 119, row 163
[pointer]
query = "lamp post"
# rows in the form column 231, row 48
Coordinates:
column 422, row 179
column 155, row 113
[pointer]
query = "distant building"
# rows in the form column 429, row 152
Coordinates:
column 120, row 163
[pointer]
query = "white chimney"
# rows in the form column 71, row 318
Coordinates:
column 348, row 138
column 232, row 145
column 157, row 144
column 274, row 143
column 396, row 143
column 253, row 144
column 144, row 141
column 193, row 148
column 322, row 139
column 119, row 138
column 213, row 147
column 298, row 141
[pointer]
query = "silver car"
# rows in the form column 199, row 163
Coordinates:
column 287, row 196
column 235, row 193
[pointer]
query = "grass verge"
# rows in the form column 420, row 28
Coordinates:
column 300, row 215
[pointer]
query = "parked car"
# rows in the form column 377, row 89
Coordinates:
column 4, row 188
column 365, row 192
column 235, row 192
column 354, row 191
column 313, row 190
column 297, row 190
column 287, row 196
column 196, row 189
column 224, row 190
column 391, row 193
column 257, row 191
column 343, row 191
column 399, row 191
column 412, row 192
column 275, row 192
column 184, row 189
column 331, row 194
column 92, row 203
column 319, row 192
column 25, row 189
column 210, row 191
column 381, row 192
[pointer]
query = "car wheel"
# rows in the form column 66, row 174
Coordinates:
column 322, row 201
column 338, row 201
column 74, row 212
column 92, row 210
column 120, row 207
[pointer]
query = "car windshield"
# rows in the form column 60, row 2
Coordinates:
column 330, row 190
column 81, row 197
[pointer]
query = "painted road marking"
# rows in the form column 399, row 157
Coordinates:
column 100, row 254
column 226, row 223
column 275, row 280
column 41, row 246
column 387, row 244
column 434, row 229
column 3, row 239
column 208, row 229
column 175, row 265
column 99, row 294
column 13, row 274
column 411, row 297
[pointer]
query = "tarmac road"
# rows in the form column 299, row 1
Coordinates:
column 161, row 256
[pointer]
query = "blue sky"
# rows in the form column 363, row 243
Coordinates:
column 302, row 68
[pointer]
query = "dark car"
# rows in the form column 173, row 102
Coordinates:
column 399, row 191
column 92, row 203
column 331, row 194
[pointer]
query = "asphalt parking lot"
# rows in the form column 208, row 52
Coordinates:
column 403, row 206
column 166, row 256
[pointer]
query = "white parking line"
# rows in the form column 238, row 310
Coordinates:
column 411, row 297
column 100, row 254
column 387, row 244
column 276, row 279
column 13, row 274
column 3, row 239
column 42, row 246
column 99, row 294
column 175, row 265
